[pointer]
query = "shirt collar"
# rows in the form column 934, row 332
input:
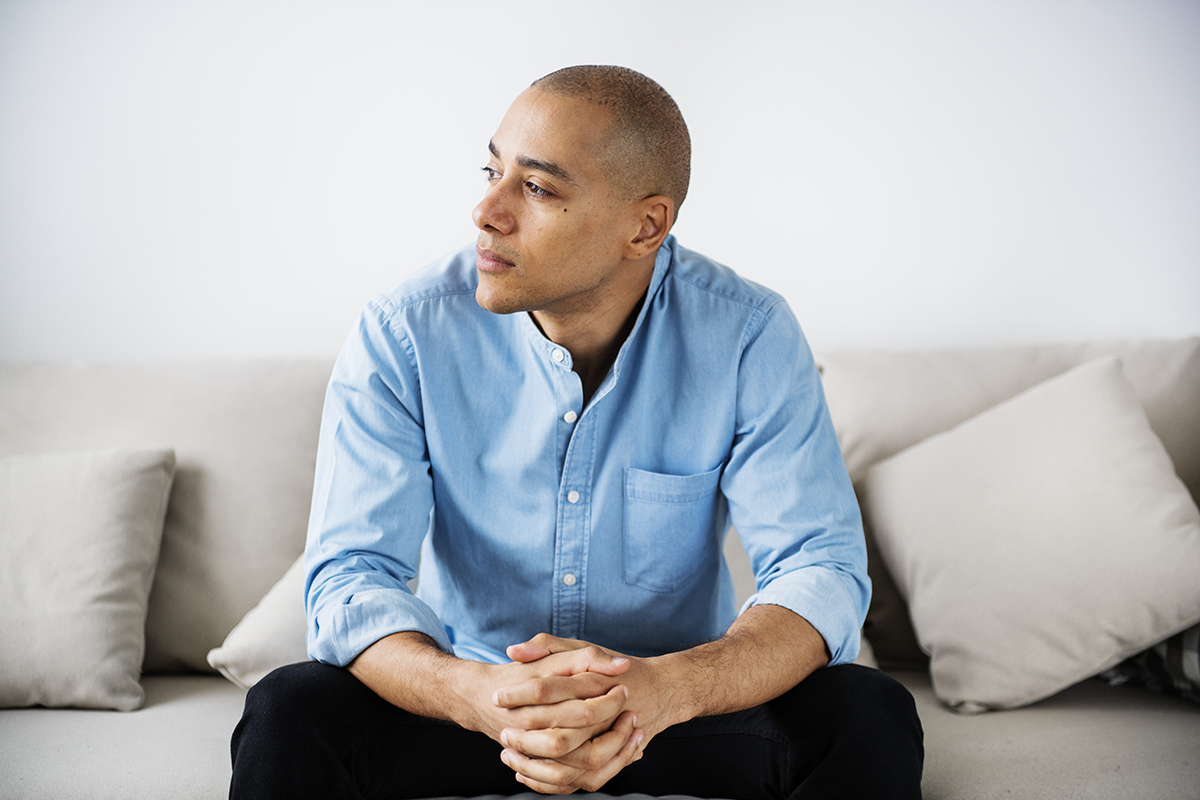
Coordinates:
column 662, row 264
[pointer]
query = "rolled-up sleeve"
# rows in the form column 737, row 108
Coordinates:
column 790, row 498
column 372, row 497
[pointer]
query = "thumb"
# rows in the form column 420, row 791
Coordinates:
column 541, row 646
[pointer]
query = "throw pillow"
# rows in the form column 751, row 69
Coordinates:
column 1039, row 543
column 79, row 541
column 882, row 402
column 270, row 636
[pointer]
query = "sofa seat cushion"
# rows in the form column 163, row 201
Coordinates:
column 175, row 748
column 1091, row 741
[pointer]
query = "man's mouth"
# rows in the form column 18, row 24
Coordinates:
column 491, row 261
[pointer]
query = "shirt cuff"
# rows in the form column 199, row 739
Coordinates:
column 342, row 632
column 819, row 595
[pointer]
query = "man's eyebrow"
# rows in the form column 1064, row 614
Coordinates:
column 548, row 167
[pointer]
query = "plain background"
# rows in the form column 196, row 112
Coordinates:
column 207, row 178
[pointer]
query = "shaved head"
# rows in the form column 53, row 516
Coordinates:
column 647, row 148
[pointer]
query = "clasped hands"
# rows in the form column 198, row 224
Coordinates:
column 571, row 715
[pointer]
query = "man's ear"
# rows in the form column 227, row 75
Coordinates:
column 656, row 215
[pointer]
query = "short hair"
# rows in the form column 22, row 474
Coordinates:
column 649, row 151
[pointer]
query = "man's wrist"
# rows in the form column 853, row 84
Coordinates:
column 679, row 683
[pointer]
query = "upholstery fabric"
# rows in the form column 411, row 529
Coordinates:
column 1090, row 742
column 1039, row 543
column 271, row 635
column 175, row 748
column 245, row 435
column 79, row 541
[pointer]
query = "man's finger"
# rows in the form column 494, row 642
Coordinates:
column 594, row 712
column 553, row 777
column 554, row 689
column 541, row 646
column 588, row 657
column 583, row 748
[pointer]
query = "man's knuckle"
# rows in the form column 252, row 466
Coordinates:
column 560, row 744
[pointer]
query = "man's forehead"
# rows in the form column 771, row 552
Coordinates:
column 554, row 133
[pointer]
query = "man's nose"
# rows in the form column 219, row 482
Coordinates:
column 491, row 213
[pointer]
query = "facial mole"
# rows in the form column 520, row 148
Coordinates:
column 564, row 211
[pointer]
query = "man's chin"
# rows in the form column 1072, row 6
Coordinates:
column 497, row 302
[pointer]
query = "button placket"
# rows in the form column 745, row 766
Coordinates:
column 572, row 534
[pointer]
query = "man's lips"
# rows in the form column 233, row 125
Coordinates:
column 491, row 261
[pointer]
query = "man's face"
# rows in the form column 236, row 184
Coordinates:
column 551, row 234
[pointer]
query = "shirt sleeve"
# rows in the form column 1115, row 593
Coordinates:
column 372, row 498
column 789, row 495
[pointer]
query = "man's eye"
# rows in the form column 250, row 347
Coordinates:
column 535, row 189
column 490, row 173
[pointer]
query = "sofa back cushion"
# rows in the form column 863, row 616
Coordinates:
column 245, row 437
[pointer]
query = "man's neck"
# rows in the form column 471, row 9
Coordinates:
column 594, row 338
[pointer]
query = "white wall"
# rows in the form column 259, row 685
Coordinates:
column 221, row 178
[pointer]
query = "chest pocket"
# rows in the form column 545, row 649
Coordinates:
column 669, row 527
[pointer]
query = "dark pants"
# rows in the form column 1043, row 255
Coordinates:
column 312, row 730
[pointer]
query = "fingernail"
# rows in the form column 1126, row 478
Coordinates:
column 620, row 662
column 496, row 699
column 625, row 689
column 504, row 739
column 638, row 757
column 635, row 721
column 640, row 738
column 504, row 757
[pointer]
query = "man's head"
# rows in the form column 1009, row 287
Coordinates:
column 587, row 170
column 646, row 148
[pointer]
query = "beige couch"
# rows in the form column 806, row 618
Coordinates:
column 244, row 438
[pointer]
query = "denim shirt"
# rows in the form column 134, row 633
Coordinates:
column 456, row 440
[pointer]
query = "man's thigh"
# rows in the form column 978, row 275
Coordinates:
column 314, row 730
column 845, row 731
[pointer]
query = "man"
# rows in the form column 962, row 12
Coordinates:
column 559, row 424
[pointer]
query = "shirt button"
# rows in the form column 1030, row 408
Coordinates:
column 572, row 496
column 556, row 356
column 570, row 416
column 569, row 579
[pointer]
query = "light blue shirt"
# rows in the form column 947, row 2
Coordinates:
column 456, row 440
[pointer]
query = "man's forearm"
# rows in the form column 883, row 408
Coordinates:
column 768, row 650
column 578, row 690
column 410, row 671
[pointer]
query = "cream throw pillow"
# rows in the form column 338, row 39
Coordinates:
column 1040, row 542
column 79, row 542
column 271, row 635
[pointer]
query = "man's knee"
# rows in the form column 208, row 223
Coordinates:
column 296, row 699
column 857, row 715
column 861, row 697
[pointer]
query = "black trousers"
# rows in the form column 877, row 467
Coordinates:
column 312, row 730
